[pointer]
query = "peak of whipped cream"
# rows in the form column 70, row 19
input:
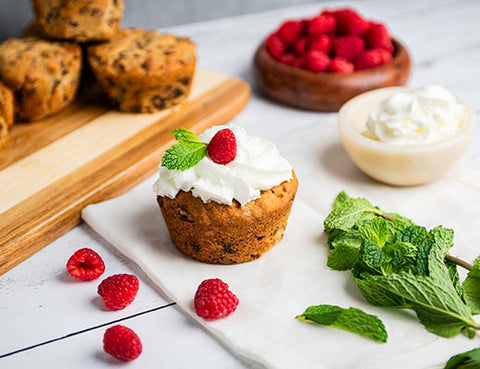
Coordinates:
column 258, row 166
column 422, row 115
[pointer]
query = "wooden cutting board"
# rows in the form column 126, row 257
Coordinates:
column 88, row 153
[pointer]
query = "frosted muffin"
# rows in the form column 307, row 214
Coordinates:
column 227, row 213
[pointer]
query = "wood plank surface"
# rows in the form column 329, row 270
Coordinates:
column 96, row 155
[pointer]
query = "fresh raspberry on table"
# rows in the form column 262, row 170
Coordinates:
column 341, row 65
column 323, row 23
column 300, row 46
column 85, row 265
column 290, row 30
column 287, row 58
column 348, row 46
column 372, row 58
column 222, row 148
column 349, row 22
column 321, row 43
column 316, row 61
column 122, row 343
column 275, row 45
column 118, row 291
column 379, row 37
column 213, row 300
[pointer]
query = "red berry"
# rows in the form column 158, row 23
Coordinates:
column 316, row 61
column 323, row 23
column 290, row 30
column 379, row 37
column 85, row 264
column 299, row 62
column 348, row 46
column 300, row 46
column 341, row 65
column 321, row 43
column 122, row 343
column 118, row 291
column 372, row 58
column 349, row 22
column 275, row 45
column 213, row 300
column 288, row 58
column 222, row 148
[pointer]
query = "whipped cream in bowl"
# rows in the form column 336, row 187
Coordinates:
column 405, row 136
column 258, row 166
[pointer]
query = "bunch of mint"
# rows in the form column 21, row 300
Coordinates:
column 396, row 263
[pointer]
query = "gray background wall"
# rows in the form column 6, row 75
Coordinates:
column 15, row 14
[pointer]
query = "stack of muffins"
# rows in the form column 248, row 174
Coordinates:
column 141, row 71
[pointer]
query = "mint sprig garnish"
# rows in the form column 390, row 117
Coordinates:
column 352, row 320
column 396, row 263
column 465, row 360
column 187, row 153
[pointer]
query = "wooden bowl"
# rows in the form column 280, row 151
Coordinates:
column 326, row 91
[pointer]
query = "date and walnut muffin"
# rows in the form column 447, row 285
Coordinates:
column 233, row 213
column 6, row 113
column 144, row 71
column 79, row 20
column 44, row 76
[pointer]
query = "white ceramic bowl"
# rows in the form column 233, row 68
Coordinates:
column 400, row 165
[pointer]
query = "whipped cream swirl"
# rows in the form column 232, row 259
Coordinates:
column 422, row 115
column 258, row 166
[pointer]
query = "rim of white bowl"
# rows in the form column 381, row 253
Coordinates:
column 346, row 129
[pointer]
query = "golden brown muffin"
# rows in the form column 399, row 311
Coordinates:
column 34, row 29
column 144, row 71
column 6, row 104
column 79, row 20
column 44, row 76
column 4, row 132
column 223, row 234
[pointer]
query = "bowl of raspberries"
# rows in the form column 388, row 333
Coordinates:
column 321, row 62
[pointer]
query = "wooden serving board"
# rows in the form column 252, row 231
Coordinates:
column 88, row 153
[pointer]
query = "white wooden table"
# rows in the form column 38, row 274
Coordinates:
column 40, row 302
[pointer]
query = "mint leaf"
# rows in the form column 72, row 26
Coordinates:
column 184, row 156
column 350, row 238
column 185, row 136
column 376, row 231
column 436, row 302
column 442, row 241
column 373, row 255
column 349, row 212
column 340, row 199
column 471, row 288
column 343, row 257
column 465, row 360
column 352, row 320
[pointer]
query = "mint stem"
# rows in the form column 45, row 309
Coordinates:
column 458, row 261
column 387, row 217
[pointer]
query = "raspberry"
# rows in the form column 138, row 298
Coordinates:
column 300, row 46
column 316, row 61
column 275, row 45
column 222, row 148
column 349, row 22
column 290, row 30
column 122, row 343
column 372, row 58
column 299, row 62
column 213, row 300
column 323, row 23
column 379, row 37
column 85, row 265
column 321, row 43
column 341, row 65
column 348, row 46
column 118, row 291
column 288, row 58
